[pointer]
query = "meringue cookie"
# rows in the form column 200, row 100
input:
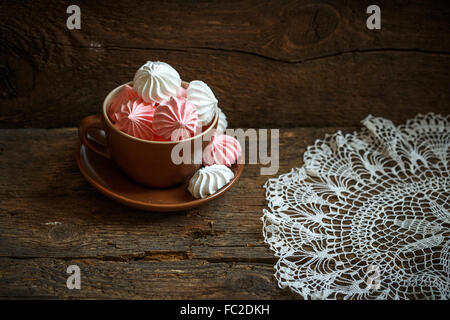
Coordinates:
column 222, row 149
column 209, row 180
column 203, row 98
column 181, row 93
column 156, row 81
column 135, row 118
column 126, row 94
column 175, row 119
column 222, row 123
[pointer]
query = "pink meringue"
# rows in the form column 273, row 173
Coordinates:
column 222, row 149
column 135, row 118
column 175, row 119
column 126, row 94
column 182, row 93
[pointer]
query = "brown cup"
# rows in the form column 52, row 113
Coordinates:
column 144, row 161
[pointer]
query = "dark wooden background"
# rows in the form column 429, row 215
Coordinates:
column 315, row 62
column 307, row 67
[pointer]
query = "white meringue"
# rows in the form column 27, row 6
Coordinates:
column 156, row 81
column 222, row 123
column 209, row 180
column 202, row 96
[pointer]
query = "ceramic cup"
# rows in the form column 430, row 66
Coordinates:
column 144, row 161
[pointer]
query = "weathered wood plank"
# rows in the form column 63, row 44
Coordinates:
column 51, row 218
column 139, row 279
column 315, row 63
column 49, row 210
column 290, row 31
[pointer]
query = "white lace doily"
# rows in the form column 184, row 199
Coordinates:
column 368, row 215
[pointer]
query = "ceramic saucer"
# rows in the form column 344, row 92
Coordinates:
column 107, row 178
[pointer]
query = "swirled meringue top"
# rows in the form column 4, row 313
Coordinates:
column 222, row 123
column 135, row 118
column 209, row 180
column 222, row 149
column 156, row 81
column 126, row 94
column 175, row 119
column 203, row 98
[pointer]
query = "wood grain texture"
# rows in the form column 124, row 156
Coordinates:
column 314, row 62
column 140, row 279
column 50, row 217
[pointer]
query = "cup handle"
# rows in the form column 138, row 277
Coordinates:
column 93, row 122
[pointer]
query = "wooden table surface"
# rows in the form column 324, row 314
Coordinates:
column 305, row 67
column 52, row 218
